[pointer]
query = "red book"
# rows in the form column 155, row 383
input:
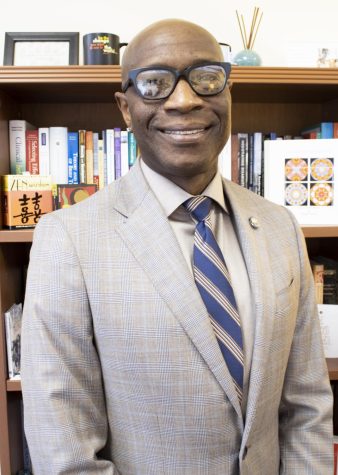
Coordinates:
column 335, row 448
column 32, row 151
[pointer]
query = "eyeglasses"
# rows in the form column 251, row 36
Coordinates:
column 206, row 79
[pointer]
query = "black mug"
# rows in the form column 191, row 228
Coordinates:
column 101, row 48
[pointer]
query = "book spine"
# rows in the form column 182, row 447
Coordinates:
column 318, row 270
column 73, row 158
column 9, row 346
column 124, row 152
column 117, row 152
column 109, row 155
column 58, row 137
column 32, row 152
column 89, row 158
column 132, row 148
column 243, row 160
column 82, row 156
column 96, row 158
column 101, row 163
column 17, row 145
column 257, row 173
column 44, row 166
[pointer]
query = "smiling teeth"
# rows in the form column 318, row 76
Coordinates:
column 183, row 132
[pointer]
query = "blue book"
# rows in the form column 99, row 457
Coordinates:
column 73, row 158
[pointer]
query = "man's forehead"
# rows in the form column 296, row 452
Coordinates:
column 175, row 47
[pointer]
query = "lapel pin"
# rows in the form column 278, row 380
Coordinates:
column 254, row 223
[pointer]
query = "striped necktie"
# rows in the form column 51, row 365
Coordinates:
column 213, row 282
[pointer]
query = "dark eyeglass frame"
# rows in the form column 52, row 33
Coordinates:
column 184, row 73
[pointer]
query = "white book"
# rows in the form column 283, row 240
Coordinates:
column 224, row 160
column 13, row 318
column 124, row 152
column 328, row 317
column 110, row 158
column 44, row 166
column 58, row 152
column 17, row 145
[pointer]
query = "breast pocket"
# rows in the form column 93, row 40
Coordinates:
column 287, row 300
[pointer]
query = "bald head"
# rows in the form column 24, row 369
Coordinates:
column 164, row 40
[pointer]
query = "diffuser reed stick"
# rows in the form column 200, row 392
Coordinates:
column 249, row 40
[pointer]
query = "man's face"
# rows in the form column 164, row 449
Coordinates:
column 182, row 135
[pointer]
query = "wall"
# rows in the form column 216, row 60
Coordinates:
column 283, row 23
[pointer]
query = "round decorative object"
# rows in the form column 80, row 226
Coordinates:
column 322, row 169
column 296, row 194
column 254, row 223
column 296, row 169
column 321, row 194
column 247, row 57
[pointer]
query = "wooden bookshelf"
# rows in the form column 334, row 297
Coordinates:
column 281, row 99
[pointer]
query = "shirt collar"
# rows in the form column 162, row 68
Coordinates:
column 172, row 196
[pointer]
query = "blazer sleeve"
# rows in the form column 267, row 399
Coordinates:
column 305, row 418
column 64, row 408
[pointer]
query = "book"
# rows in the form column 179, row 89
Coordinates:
column 58, row 149
column 44, row 167
column 335, row 454
column 13, row 318
column 224, row 160
column 117, row 152
column 17, row 145
column 328, row 318
column 73, row 157
column 82, row 156
column 24, row 199
column 109, row 156
column 132, row 148
column 318, row 271
column 301, row 175
column 32, row 152
column 323, row 130
column 124, row 152
column 96, row 158
column 68, row 195
column 89, row 154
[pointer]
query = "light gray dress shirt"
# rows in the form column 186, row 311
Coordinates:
column 171, row 197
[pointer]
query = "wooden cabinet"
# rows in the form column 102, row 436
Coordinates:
column 82, row 97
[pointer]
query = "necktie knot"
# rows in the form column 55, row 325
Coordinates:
column 199, row 207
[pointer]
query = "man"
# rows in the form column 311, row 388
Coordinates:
column 124, row 368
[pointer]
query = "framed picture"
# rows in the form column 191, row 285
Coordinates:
column 41, row 49
column 302, row 175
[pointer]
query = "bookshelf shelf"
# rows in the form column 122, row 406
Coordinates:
column 13, row 385
column 265, row 99
column 16, row 235
column 320, row 231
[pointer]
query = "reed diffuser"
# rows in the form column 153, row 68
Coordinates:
column 248, row 57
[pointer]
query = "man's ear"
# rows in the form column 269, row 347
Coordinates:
column 229, row 83
column 124, row 107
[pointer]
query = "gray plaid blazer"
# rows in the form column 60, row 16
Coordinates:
column 121, row 371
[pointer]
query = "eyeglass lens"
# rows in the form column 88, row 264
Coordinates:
column 159, row 83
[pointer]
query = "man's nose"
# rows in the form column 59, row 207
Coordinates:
column 183, row 97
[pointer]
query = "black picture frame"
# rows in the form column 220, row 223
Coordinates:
column 11, row 38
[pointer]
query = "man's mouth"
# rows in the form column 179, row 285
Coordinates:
column 183, row 132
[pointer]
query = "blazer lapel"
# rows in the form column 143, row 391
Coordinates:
column 254, row 248
column 149, row 237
